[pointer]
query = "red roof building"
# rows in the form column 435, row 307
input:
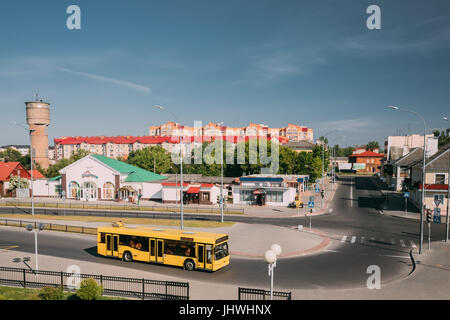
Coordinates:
column 371, row 161
column 7, row 170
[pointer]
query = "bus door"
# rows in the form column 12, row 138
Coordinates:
column 201, row 256
column 160, row 251
column 115, row 246
column 152, row 250
column 208, row 256
column 109, row 245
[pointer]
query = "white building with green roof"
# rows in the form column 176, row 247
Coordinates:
column 96, row 177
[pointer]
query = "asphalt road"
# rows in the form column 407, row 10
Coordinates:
column 362, row 237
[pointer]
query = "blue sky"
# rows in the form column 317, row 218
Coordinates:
column 313, row 63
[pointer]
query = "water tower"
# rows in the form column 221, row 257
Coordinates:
column 38, row 119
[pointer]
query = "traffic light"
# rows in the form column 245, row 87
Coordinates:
column 429, row 218
column 322, row 193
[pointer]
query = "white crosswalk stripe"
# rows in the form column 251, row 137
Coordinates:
column 380, row 241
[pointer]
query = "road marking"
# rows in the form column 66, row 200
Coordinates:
column 351, row 192
column 412, row 244
column 402, row 243
column 393, row 242
column 353, row 239
column 383, row 255
column 330, row 250
column 362, row 239
column 372, row 239
column 344, row 238
column 3, row 249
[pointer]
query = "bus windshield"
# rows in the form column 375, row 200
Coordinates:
column 221, row 251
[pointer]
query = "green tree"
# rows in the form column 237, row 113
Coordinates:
column 372, row 145
column 12, row 155
column 152, row 159
column 53, row 169
column 17, row 182
column 442, row 136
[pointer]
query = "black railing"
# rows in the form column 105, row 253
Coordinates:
column 259, row 294
column 115, row 286
column 47, row 226
column 114, row 206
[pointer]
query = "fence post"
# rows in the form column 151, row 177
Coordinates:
column 62, row 280
column 82, row 229
column 166, row 290
column 66, row 227
column 188, row 291
column 239, row 293
column 24, row 279
column 101, row 280
column 143, row 289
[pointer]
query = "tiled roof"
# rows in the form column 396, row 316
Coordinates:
column 135, row 174
column 36, row 174
column 6, row 168
column 153, row 139
column 367, row 154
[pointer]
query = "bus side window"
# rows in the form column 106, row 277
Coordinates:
column 160, row 253
column 102, row 237
column 200, row 254
column 208, row 254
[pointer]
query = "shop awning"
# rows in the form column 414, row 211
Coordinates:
column 193, row 190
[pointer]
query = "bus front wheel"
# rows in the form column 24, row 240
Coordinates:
column 127, row 256
column 189, row 265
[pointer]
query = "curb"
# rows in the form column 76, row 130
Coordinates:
column 321, row 246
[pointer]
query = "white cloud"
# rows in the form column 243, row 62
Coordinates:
column 107, row 79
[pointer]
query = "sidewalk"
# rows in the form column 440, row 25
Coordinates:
column 394, row 205
column 253, row 211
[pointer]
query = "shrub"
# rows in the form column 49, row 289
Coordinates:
column 89, row 290
column 51, row 293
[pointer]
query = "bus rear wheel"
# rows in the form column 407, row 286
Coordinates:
column 189, row 265
column 127, row 256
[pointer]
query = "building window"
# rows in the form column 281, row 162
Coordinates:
column 439, row 179
column 274, row 196
column 245, row 195
column 108, row 191
column 74, row 190
column 89, row 190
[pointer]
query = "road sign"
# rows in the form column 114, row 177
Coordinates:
column 437, row 215
column 405, row 194
column 311, row 204
column 437, row 202
column 317, row 189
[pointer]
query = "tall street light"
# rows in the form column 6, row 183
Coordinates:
column 221, row 173
column 271, row 258
column 448, row 192
column 323, row 158
column 423, row 168
column 40, row 228
column 181, row 164
column 30, row 131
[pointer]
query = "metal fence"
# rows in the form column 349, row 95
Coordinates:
column 47, row 226
column 115, row 206
column 115, row 286
column 259, row 294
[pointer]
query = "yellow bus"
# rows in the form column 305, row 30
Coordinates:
column 188, row 249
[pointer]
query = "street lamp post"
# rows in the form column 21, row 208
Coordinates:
column 423, row 169
column 448, row 193
column 31, row 165
column 181, row 165
column 271, row 258
column 221, row 173
column 323, row 160
column 40, row 228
